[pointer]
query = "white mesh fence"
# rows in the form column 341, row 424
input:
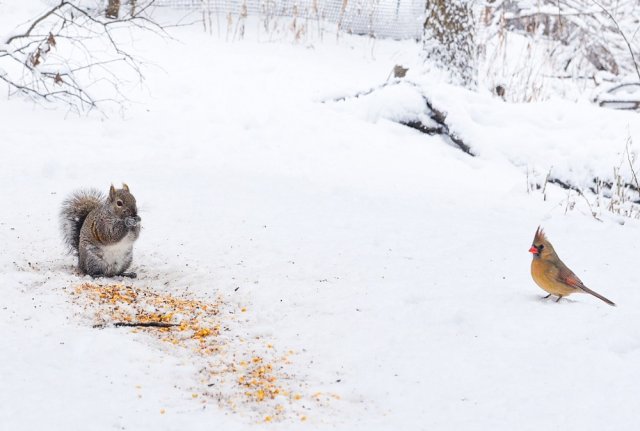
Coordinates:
column 397, row 19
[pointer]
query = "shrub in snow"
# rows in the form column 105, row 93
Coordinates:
column 538, row 49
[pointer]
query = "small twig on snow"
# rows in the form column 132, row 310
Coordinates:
column 140, row 325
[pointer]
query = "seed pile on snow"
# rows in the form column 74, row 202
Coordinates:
column 244, row 374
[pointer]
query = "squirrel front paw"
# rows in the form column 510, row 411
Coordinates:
column 132, row 221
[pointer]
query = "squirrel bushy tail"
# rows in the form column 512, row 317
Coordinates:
column 75, row 210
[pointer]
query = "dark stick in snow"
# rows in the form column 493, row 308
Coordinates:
column 140, row 325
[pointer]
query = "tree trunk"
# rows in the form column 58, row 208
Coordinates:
column 449, row 38
column 113, row 9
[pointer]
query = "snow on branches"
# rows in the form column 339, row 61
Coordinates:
column 74, row 53
column 592, row 44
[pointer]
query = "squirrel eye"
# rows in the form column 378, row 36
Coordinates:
column 119, row 202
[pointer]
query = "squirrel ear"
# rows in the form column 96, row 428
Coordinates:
column 112, row 193
column 125, row 187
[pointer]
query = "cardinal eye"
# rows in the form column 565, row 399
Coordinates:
column 540, row 247
column 119, row 202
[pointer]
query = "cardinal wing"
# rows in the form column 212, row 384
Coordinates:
column 566, row 276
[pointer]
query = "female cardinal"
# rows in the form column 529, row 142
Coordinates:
column 551, row 274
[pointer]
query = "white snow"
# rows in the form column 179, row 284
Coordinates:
column 393, row 265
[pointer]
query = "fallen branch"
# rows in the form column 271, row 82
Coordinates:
column 365, row 92
column 421, row 127
column 628, row 105
column 438, row 116
column 563, row 184
column 607, row 184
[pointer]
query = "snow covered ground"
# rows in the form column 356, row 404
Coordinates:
column 390, row 267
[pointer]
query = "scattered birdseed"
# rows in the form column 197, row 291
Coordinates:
column 245, row 375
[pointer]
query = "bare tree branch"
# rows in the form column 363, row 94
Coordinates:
column 36, row 22
column 62, row 53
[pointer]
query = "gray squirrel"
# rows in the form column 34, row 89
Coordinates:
column 101, row 230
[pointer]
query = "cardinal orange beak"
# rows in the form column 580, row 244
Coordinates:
column 533, row 249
